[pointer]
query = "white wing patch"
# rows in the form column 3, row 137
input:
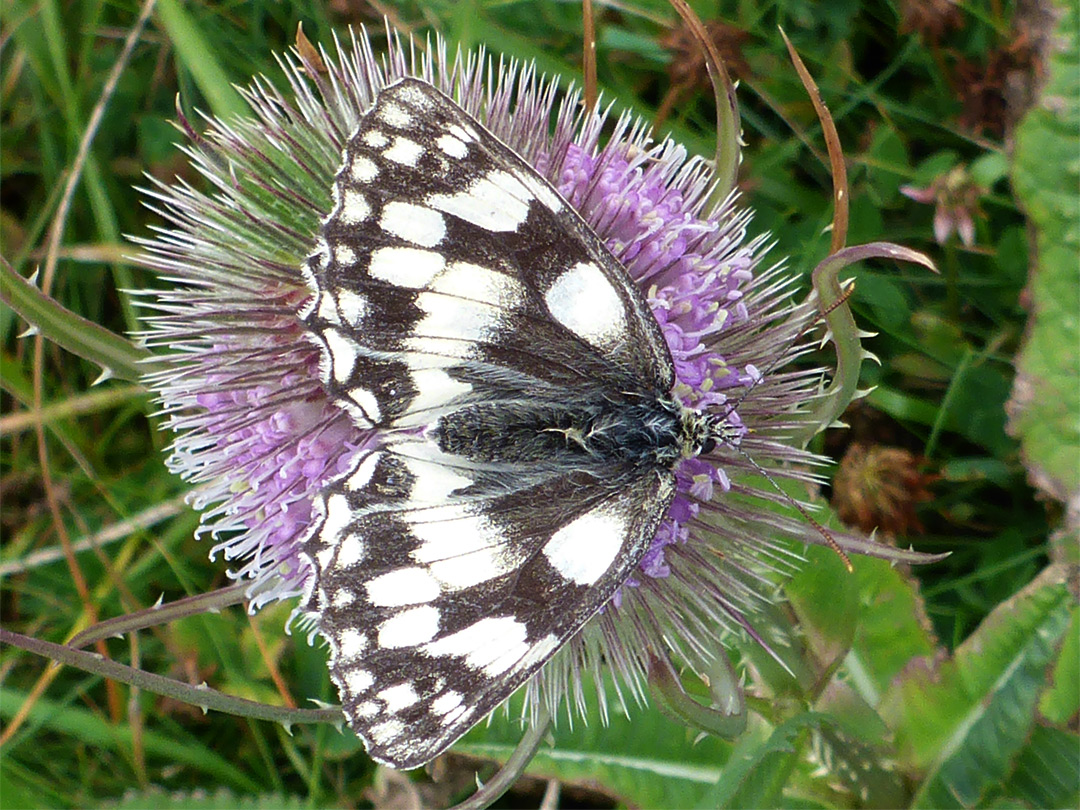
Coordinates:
column 361, row 476
column 409, row 628
column 468, row 570
column 457, row 318
column 351, row 551
column 436, row 391
column 396, row 116
column 363, row 169
column 406, row 267
column 583, row 300
column 542, row 191
column 453, row 147
column 343, row 353
column 478, row 283
column 353, row 307
column 327, row 310
column 337, row 519
column 489, row 644
column 375, row 139
column 583, row 550
column 359, row 681
column 447, row 702
column 399, row 697
column 404, row 151
column 351, row 644
column 405, row 586
column 344, row 255
column 413, row 223
column 496, row 202
column 354, row 207
column 455, row 537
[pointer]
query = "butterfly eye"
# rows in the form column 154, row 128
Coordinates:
column 708, row 446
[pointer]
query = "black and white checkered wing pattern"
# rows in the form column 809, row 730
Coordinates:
column 450, row 271
column 453, row 285
column 440, row 595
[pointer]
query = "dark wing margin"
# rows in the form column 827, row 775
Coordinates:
column 436, row 610
column 444, row 250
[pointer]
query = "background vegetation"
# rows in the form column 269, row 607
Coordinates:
column 955, row 684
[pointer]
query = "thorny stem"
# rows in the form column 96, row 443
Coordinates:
column 728, row 127
column 86, row 339
column 843, row 332
column 508, row 774
column 727, row 721
column 832, row 298
column 836, row 153
column 211, row 602
column 201, row 695
column 589, row 55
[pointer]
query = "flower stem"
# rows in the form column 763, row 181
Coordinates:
column 211, row 602
column 116, row 355
column 845, row 335
column 508, row 774
column 201, row 695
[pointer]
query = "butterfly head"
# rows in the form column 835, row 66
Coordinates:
column 704, row 430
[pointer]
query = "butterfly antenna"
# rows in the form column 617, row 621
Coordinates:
column 829, row 539
column 801, row 509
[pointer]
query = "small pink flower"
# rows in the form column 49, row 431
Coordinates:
column 955, row 196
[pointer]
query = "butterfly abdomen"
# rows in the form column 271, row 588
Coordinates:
column 642, row 432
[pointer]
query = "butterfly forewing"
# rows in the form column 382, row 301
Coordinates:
column 445, row 249
column 473, row 319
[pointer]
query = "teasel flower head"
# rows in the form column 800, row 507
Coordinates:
column 258, row 437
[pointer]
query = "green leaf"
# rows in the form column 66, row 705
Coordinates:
column 826, row 601
column 934, row 166
column 1061, row 700
column 195, row 53
column 885, row 296
column 887, row 166
column 1044, row 409
column 1047, row 772
column 876, row 619
column 97, row 732
column 987, row 169
column 865, row 769
column 874, row 616
column 648, row 760
column 759, row 768
column 974, row 405
column 964, row 720
column 893, row 627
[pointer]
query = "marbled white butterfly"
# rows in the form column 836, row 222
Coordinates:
column 521, row 390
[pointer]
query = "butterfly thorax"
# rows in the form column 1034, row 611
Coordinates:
column 642, row 431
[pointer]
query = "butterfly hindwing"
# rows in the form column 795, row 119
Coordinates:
column 446, row 250
column 438, row 607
